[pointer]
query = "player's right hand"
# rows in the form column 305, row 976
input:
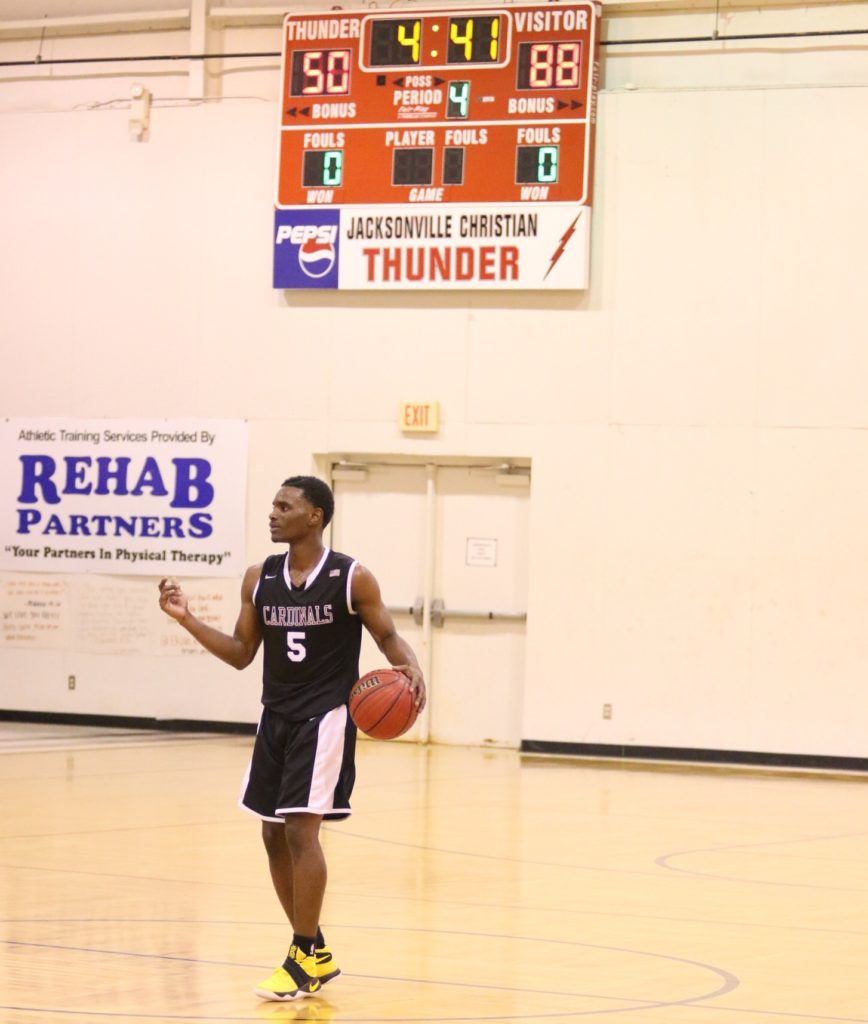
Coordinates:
column 417, row 685
column 173, row 600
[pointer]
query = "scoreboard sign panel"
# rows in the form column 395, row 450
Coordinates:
column 437, row 148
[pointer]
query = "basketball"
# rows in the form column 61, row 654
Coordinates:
column 382, row 705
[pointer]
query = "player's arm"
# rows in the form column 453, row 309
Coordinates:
column 368, row 603
column 237, row 650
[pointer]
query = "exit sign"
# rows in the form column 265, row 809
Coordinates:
column 419, row 417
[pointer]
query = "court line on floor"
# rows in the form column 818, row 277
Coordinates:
column 662, row 861
column 729, row 980
column 413, row 846
column 127, row 744
column 349, row 894
column 14, row 736
column 111, row 738
column 366, row 788
column 367, row 977
column 120, row 828
column 807, row 856
column 699, row 1003
column 489, row 856
column 783, row 1013
column 341, row 832
column 427, row 1020
column 708, row 921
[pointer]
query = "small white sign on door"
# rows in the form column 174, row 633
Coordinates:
column 481, row 552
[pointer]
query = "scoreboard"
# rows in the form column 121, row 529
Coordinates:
column 437, row 148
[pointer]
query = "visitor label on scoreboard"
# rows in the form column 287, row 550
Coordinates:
column 391, row 247
column 464, row 135
column 153, row 497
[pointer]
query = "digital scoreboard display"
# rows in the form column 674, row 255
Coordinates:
column 437, row 148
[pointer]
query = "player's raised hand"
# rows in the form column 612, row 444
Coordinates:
column 173, row 600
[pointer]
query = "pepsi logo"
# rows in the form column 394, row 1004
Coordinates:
column 307, row 248
column 316, row 258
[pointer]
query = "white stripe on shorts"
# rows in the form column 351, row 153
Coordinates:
column 256, row 814
column 309, row 810
column 326, row 765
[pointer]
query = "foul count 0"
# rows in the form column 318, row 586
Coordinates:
column 323, row 168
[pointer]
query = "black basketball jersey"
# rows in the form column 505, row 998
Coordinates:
column 310, row 635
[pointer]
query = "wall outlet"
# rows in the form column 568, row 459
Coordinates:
column 70, row 683
column 607, row 711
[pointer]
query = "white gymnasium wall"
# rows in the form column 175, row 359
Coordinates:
column 696, row 421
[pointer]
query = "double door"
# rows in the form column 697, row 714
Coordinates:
column 448, row 545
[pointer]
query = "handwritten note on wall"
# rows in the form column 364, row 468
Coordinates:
column 33, row 612
column 207, row 604
column 105, row 615
column 112, row 617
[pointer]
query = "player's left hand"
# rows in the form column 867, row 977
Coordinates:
column 173, row 600
column 417, row 684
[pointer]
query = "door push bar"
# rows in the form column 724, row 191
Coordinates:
column 439, row 613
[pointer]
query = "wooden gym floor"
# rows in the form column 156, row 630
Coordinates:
column 470, row 885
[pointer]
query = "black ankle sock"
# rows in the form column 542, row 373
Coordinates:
column 306, row 943
column 320, row 941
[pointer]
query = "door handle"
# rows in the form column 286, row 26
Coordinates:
column 415, row 610
column 439, row 613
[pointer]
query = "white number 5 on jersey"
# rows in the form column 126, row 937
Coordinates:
column 295, row 646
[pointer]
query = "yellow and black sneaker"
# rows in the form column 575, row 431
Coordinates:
column 298, row 976
column 325, row 963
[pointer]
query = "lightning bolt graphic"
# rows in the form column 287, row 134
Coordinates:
column 565, row 237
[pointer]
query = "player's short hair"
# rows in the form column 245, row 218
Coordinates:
column 317, row 492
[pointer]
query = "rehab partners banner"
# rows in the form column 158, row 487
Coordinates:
column 149, row 497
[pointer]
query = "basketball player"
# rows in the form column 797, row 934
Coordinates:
column 307, row 606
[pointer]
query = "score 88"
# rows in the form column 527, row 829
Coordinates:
column 554, row 65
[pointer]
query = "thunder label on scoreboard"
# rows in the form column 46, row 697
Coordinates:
column 437, row 148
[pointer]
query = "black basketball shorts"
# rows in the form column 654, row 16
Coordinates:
column 305, row 767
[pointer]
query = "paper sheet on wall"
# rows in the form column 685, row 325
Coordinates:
column 34, row 613
column 210, row 606
column 104, row 615
column 113, row 617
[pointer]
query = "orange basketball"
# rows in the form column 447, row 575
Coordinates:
column 382, row 705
